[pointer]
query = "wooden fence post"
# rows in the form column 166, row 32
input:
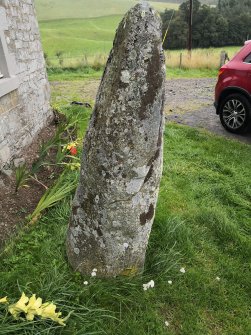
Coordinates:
column 223, row 58
column 180, row 60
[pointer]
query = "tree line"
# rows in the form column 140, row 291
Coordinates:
column 229, row 23
column 207, row 2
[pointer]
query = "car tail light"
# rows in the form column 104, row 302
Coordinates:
column 221, row 71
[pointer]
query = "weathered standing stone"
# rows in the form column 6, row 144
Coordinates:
column 113, row 209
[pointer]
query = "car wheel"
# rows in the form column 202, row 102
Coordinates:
column 235, row 112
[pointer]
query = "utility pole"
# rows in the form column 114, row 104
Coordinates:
column 190, row 28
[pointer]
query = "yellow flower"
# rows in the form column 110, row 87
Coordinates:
column 3, row 300
column 48, row 311
column 33, row 307
column 70, row 145
column 19, row 307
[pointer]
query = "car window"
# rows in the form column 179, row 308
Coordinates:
column 248, row 59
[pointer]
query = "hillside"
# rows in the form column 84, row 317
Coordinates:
column 69, row 9
column 79, row 36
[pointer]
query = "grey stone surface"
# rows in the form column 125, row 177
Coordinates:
column 25, row 111
column 18, row 162
column 7, row 172
column 114, row 206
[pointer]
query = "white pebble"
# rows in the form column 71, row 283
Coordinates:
column 148, row 285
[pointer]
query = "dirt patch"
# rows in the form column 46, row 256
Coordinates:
column 68, row 91
column 15, row 206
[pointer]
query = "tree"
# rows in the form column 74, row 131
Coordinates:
column 226, row 24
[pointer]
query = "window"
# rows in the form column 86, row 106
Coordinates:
column 8, row 79
column 4, row 73
column 248, row 59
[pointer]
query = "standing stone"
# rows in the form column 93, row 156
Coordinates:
column 114, row 205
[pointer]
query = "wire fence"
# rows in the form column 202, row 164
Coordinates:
column 199, row 59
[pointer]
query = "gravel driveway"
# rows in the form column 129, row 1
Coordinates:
column 190, row 102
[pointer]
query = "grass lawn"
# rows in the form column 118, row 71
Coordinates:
column 80, row 75
column 79, row 37
column 61, row 9
column 202, row 224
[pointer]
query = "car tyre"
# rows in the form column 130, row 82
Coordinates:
column 235, row 113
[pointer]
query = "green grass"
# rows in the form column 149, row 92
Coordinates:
column 87, row 42
column 202, row 223
column 73, row 75
column 62, row 9
column 79, row 37
column 64, row 75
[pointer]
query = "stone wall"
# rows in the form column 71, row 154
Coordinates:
column 24, row 109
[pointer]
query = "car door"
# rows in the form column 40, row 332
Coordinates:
column 247, row 68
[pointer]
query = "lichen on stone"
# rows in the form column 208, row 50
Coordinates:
column 122, row 157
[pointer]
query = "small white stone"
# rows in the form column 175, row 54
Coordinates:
column 151, row 283
column 167, row 323
column 94, row 270
column 182, row 270
column 86, row 282
column 93, row 274
column 170, row 282
column 217, row 278
column 148, row 285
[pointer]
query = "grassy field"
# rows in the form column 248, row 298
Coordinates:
column 73, row 36
column 202, row 224
column 200, row 59
column 88, row 41
column 74, row 79
column 79, row 37
column 62, row 9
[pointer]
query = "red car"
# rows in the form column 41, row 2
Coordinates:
column 233, row 92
